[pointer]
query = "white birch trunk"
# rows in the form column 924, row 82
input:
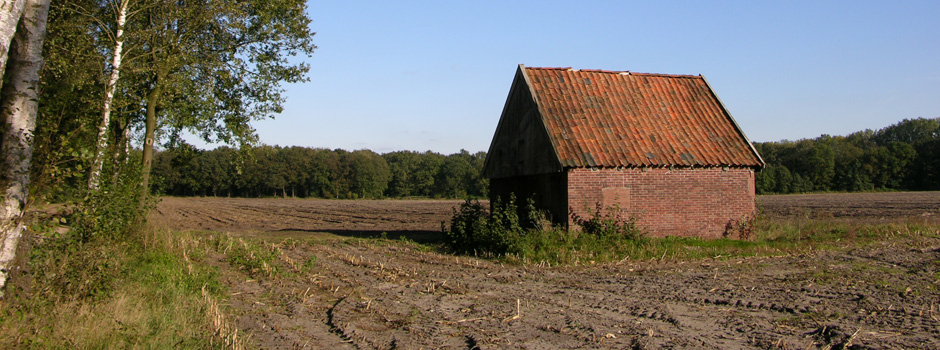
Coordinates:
column 94, row 177
column 10, row 13
column 18, row 107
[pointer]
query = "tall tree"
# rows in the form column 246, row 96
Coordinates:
column 117, row 55
column 368, row 174
column 213, row 66
column 10, row 13
column 18, row 106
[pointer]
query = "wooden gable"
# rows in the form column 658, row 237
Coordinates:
column 521, row 145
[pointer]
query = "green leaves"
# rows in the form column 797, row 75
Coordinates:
column 898, row 157
column 224, row 62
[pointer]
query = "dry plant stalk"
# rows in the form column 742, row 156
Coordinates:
column 222, row 329
column 518, row 312
column 848, row 343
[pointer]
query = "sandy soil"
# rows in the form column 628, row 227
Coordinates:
column 381, row 294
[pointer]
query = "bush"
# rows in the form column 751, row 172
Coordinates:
column 474, row 229
column 608, row 223
column 86, row 260
column 112, row 211
column 109, row 282
column 504, row 232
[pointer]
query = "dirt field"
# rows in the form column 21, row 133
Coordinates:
column 381, row 294
column 867, row 207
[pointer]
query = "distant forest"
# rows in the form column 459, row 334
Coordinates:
column 268, row 171
column 903, row 156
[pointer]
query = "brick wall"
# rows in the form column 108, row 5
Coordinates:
column 676, row 202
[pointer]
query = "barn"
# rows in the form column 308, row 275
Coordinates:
column 659, row 147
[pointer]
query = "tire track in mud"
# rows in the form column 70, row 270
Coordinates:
column 583, row 321
column 381, row 294
column 742, row 315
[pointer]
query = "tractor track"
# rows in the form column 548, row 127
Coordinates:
column 387, row 294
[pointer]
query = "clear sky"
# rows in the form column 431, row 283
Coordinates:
column 434, row 75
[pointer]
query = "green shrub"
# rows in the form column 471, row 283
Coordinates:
column 113, row 210
column 86, row 260
column 509, row 231
column 607, row 222
column 108, row 281
column 474, row 229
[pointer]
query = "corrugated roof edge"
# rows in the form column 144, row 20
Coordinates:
column 659, row 166
column 735, row 123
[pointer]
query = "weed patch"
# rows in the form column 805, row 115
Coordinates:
column 249, row 256
column 501, row 232
column 133, row 295
column 605, row 236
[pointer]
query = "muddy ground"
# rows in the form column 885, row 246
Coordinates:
column 386, row 294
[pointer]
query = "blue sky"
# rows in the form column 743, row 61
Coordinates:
column 433, row 75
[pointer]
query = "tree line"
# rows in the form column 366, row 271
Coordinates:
column 903, row 156
column 267, row 171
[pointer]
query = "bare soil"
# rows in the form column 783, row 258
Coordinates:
column 856, row 207
column 385, row 294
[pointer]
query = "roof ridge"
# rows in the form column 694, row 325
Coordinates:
column 549, row 68
column 668, row 75
column 605, row 71
column 625, row 72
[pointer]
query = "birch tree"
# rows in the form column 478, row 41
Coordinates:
column 18, row 106
column 10, row 13
column 116, row 58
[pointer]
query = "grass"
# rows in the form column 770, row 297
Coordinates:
column 771, row 237
column 248, row 255
column 146, row 291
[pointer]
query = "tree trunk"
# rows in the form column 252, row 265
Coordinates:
column 102, row 144
column 10, row 13
column 18, row 106
column 150, row 130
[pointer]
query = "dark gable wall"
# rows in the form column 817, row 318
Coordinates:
column 548, row 191
column 521, row 159
column 521, row 145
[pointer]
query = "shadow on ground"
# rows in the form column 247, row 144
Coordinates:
column 423, row 237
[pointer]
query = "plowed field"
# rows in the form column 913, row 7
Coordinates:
column 387, row 294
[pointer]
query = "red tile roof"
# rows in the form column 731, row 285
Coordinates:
column 609, row 119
